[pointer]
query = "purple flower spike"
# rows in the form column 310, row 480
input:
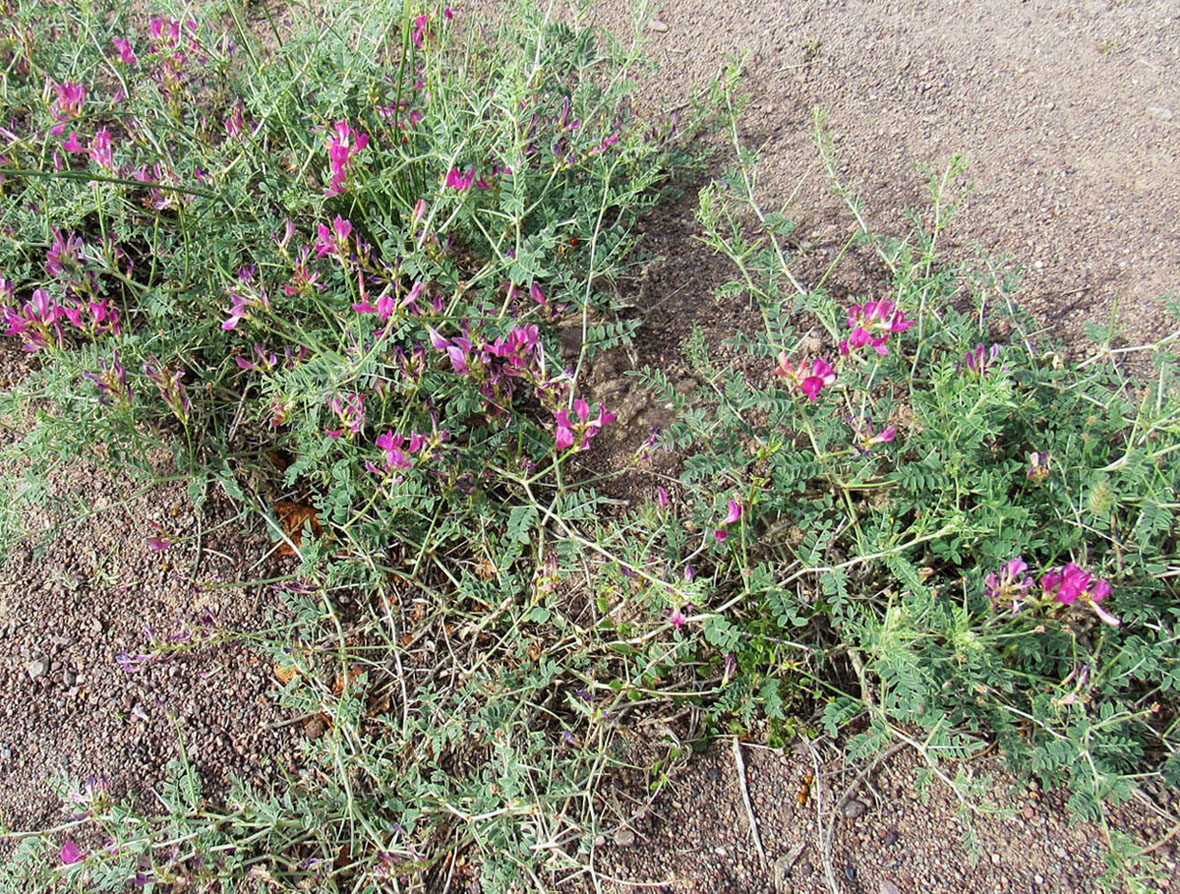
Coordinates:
column 1008, row 586
column 980, row 360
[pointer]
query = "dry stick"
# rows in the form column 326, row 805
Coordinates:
column 451, row 871
column 741, row 771
column 821, row 840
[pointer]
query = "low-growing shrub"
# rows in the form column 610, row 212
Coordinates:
column 921, row 517
column 331, row 271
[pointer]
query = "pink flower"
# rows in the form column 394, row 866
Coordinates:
column 662, row 498
column 100, row 150
column 398, row 449
column 418, row 214
column 343, row 144
column 246, row 298
column 733, row 515
column 70, row 854
column 235, row 124
column 677, row 619
column 111, row 381
column 581, row 429
column 865, row 439
column 36, row 322
column 1072, row 584
column 456, row 179
column 67, row 105
column 350, row 411
column 871, row 324
column 126, row 54
column 808, row 378
column 333, row 242
column 979, row 361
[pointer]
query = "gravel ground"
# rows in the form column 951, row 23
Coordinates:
column 78, row 595
column 889, row 833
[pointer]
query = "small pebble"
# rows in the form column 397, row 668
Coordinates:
column 853, row 809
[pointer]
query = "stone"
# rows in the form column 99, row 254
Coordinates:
column 853, row 809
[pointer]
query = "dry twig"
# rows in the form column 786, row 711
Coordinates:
column 741, row 773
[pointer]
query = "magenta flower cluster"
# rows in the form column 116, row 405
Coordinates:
column 37, row 323
column 872, row 323
column 519, row 357
column 397, row 450
column 1009, row 588
column 1072, row 585
column 460, row 180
